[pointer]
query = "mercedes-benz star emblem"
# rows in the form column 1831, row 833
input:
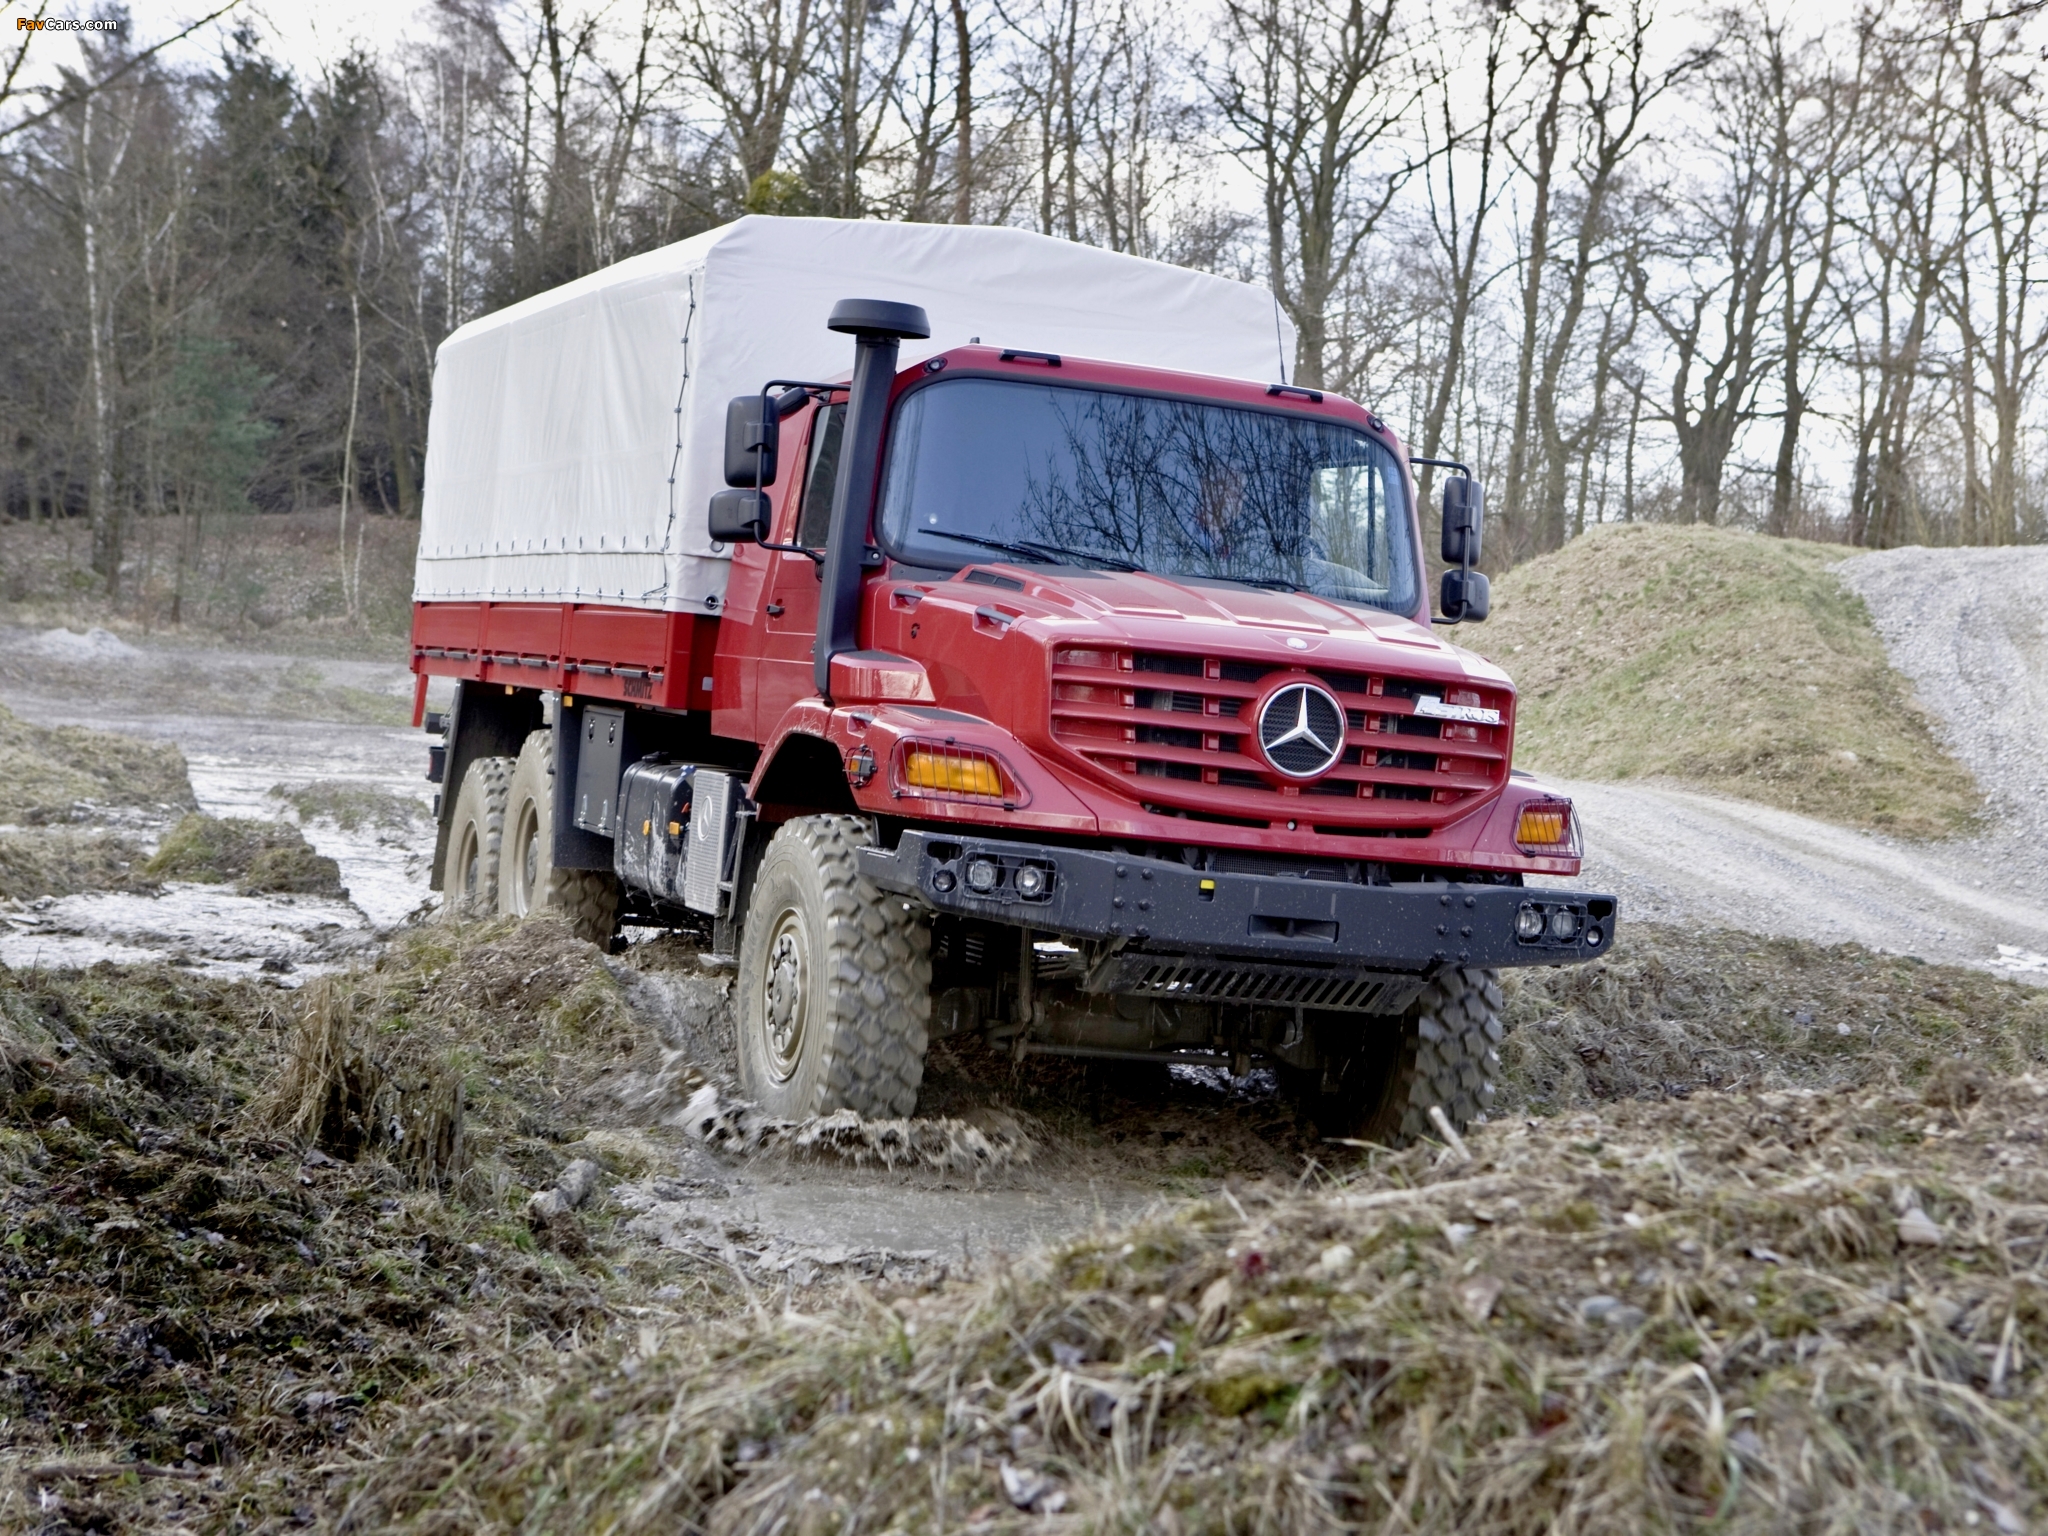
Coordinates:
column 1302, row 730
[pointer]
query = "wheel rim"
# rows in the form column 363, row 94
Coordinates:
column 526, row 861
column 786, row 994
column 467, row 861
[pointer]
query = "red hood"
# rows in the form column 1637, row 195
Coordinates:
column 1180, row 613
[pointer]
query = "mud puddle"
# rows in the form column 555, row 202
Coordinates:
column 355, row 788
column 202, row 927
column 1046, row 1152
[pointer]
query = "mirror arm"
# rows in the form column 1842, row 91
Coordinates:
column 1444, row 464
column 795, row 393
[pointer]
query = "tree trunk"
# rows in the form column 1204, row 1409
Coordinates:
column 350, row 575
column 106, row 511
column 963, row 117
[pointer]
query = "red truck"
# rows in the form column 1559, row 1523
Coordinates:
column 1094, row 708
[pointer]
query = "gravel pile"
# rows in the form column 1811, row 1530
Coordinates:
column 1970, row 628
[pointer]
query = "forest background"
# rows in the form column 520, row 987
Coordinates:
column 1760, row 265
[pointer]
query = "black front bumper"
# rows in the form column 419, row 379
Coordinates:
column 1169, row 909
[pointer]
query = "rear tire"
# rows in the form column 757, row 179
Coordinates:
column 1440, row 1054
column 834, row 996
column 587, row 899
column 476, row 836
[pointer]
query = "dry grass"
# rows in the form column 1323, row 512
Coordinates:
column 1672, row 1011
column 269, row 579
column 349, row 1088
column 64, row 861
column 259, row 857
column 350, row 805
column 1743, row 1314
column 202, row 1283
column 1729, row 660
column 1709, row 1312
column 58, row 774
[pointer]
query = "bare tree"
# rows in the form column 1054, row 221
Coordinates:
column 751, row 57
column 1726, row 243
column 1316, row 99
column 1457, row 222
column 1814, row 160
column 2002, row 168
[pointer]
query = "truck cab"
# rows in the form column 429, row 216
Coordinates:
column 1092, row 709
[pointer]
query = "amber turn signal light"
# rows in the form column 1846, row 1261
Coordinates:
column 1547, row 827
column 947, row 771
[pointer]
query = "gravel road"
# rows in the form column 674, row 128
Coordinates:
column 1970, row 628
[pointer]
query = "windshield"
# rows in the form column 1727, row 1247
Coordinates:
column 1053, row 473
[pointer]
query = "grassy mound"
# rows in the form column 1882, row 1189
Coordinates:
column 259, row 857
column 64, row 861
column 1731, row 660
column 51, row 772
column 268, row 1260
column 1672, row 1011
column 350, row 806
column 1786, row 1312
column 201, row 1280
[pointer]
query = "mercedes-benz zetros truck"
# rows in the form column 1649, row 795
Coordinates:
column 976, row 633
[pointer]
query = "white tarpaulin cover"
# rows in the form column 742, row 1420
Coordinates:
column 577, row 437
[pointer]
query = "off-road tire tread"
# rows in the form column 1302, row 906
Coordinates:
column 586, row 899
column 878, row 977
column 493, row 777
column 1455, row 1062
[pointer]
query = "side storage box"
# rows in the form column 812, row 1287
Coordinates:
column 652, row 841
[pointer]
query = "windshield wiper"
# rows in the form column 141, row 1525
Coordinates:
column 1035, row 550
column 1029, row 551
column 1270, row 583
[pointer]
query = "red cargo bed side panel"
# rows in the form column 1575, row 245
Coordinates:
column 630, row 654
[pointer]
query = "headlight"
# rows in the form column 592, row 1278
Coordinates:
column 1563, row 924
column 982, row 875
column 1030, row 882
column 1528, row 924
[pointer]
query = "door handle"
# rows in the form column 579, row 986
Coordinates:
column 775, row 610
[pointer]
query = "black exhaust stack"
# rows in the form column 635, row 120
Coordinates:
column 876, row 326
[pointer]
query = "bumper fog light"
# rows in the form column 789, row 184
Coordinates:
column 1030, row 882
column 1563, row 924
column 1528, row 925
column 982, row 875
column 943, row 881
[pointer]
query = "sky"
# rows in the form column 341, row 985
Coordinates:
column 307, row 35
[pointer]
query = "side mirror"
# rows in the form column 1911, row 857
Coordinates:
column 1464, row 512
column 1464, row 597
column 753, row 438
column 739, row 516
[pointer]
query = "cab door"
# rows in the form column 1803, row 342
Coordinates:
column 790, row 616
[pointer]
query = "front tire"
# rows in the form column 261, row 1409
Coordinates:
column 587, row 899
column 476, row 836
column 1440, row 1054
column 834, row 996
